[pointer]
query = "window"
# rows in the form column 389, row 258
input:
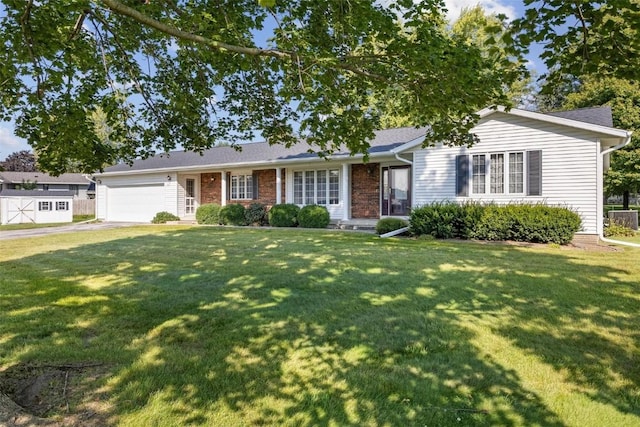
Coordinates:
column 479, row 175
column 516, row 172
column 62, row 206
column 316, row 187
column 497, row 174
column 45, row 206
column 241, row 187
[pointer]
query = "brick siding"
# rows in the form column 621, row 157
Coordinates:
column 365, row 191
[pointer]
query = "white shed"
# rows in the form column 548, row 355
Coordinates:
column 36, row 207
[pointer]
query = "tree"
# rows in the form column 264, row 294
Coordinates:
column 623, row 97
column 20, row 161
column 474, row 27
column 193, row 74
column 583, row 37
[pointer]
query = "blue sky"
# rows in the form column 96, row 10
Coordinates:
column 10, row 143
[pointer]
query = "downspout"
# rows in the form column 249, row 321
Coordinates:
column 95, row 218
column 605, row 152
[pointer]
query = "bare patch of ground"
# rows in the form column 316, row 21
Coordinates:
column 52, row 395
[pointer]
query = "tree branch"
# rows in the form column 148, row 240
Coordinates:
column 121, row 9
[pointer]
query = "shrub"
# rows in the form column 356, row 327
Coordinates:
column 283, row 215
column 233, row 214
column 527, row 223
column 439, row 219
column 615, row 229
column 313, row 216
column 387, row 225
column 256, row 214
column 164, row 216
column 208, row 214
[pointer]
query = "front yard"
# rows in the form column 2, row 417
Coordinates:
column 174, row 325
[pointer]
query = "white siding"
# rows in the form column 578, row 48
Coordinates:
column 569, row 165
column 24, row 210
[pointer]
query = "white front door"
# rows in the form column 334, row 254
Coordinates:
column 190, row 197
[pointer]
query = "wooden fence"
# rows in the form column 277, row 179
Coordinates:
column 84, row 206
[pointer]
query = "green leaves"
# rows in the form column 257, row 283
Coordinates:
column 194, row 74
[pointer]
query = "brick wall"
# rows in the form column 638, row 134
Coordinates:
column 211, row 192
column 365, row 191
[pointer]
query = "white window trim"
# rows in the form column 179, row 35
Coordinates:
column 315, row 186
column 248, row 188
column 505, row 172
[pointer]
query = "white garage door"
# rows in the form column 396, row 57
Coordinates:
column 135, row 203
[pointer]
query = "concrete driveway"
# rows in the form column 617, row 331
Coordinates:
column 34, row 232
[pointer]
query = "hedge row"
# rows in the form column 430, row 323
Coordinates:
column 282, row 215
column 520, row 222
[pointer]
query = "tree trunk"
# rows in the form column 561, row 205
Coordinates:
column 625, row 201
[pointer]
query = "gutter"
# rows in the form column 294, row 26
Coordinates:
column 96, row 212
column 624, row 143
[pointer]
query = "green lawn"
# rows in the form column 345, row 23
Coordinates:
column 239, row 327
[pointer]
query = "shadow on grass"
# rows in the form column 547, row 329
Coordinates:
column 273, row 328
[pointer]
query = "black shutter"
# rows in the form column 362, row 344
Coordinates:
column 255, row 185
column 534, row 173
column 462, row 175
column 228, row 186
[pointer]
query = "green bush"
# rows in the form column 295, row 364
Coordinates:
column 438, row 219
column 520, row 222
column 284, row 215
column 615, row 229
column 256, row 214
column 313, row 216
column 208, row 214
column 387, row 225
column 233, row 214
column 162, row 217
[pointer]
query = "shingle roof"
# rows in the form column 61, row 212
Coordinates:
column 257, row 152
column 35, row 193
column 597, row 115
column 43, row 178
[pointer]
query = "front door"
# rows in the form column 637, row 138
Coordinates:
column 190, row 197
column 396, row 190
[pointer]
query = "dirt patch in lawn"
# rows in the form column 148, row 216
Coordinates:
column 53, row 395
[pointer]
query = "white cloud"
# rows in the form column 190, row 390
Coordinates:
column 505, row 7
column 9, row 143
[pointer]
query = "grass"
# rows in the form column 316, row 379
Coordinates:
column 216, row 326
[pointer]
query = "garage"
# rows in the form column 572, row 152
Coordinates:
column 134, row 203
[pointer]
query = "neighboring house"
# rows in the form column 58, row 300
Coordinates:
column 35, row 206
column 521, row 157
column 77, row 183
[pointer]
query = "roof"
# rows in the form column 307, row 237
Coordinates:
column 596, row 115
column 42, row 178
column 262, row 152
column 35, row 193
column 385, row 142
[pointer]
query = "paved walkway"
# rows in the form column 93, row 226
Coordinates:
column 33, row 232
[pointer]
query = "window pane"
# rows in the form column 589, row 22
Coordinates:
column 297, row 188
column 309, row 187
column 496, row 174
column 322, row 188
column 479, row 174
column 334, row 187
column 241, row 187
column 234, row 187
column 249, row 190
column 516, row 172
